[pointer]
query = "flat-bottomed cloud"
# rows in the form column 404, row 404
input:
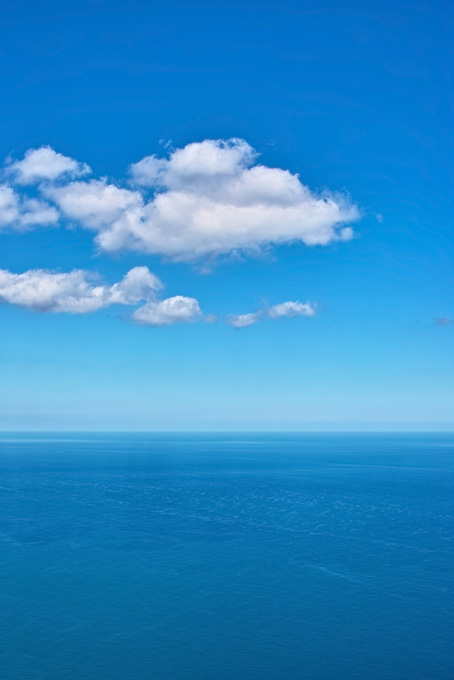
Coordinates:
column 75, row 292
column 207, row 199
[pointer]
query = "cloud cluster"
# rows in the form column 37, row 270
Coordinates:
column 81, row 292
column 206, row 199
column 78, row 292
column 289, row 309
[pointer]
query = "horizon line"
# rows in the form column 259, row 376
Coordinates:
column 232, row 431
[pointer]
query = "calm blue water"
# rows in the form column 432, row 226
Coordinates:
column 234, row 557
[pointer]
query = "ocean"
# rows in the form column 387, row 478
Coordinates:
column 226, row 556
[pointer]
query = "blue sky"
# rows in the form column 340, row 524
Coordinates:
column 319, row 219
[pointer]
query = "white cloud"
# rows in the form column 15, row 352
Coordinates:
column 195, row 162
column 206, row 199
column 81, row 292
column 45, row 164
column 95, row 204
column 9, row 206
column 138, row 284
column 289, row 309
column 78, row 292
column 35, row 212
column 148, row 171
column 23, row 213
column 176, row 309
column 75, row 292
column 243, row 320
column 211, row 199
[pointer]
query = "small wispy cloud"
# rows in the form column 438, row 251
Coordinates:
column 443, row 321
column 289, row 309
column 243, row 320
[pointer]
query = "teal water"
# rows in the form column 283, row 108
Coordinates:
column 239, row 557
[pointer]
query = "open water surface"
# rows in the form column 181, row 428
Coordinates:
column 226, row 557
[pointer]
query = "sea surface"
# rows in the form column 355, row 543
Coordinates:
column 226, row 557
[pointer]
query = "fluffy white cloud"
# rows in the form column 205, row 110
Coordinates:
column 195, row 162
column 96, row 204
column 23, row 213
column 212, row 199
column 178, row 309
column 76, row 292
column 288, row 309
column 206, row 199
column 45, row 164
column 138, row 284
